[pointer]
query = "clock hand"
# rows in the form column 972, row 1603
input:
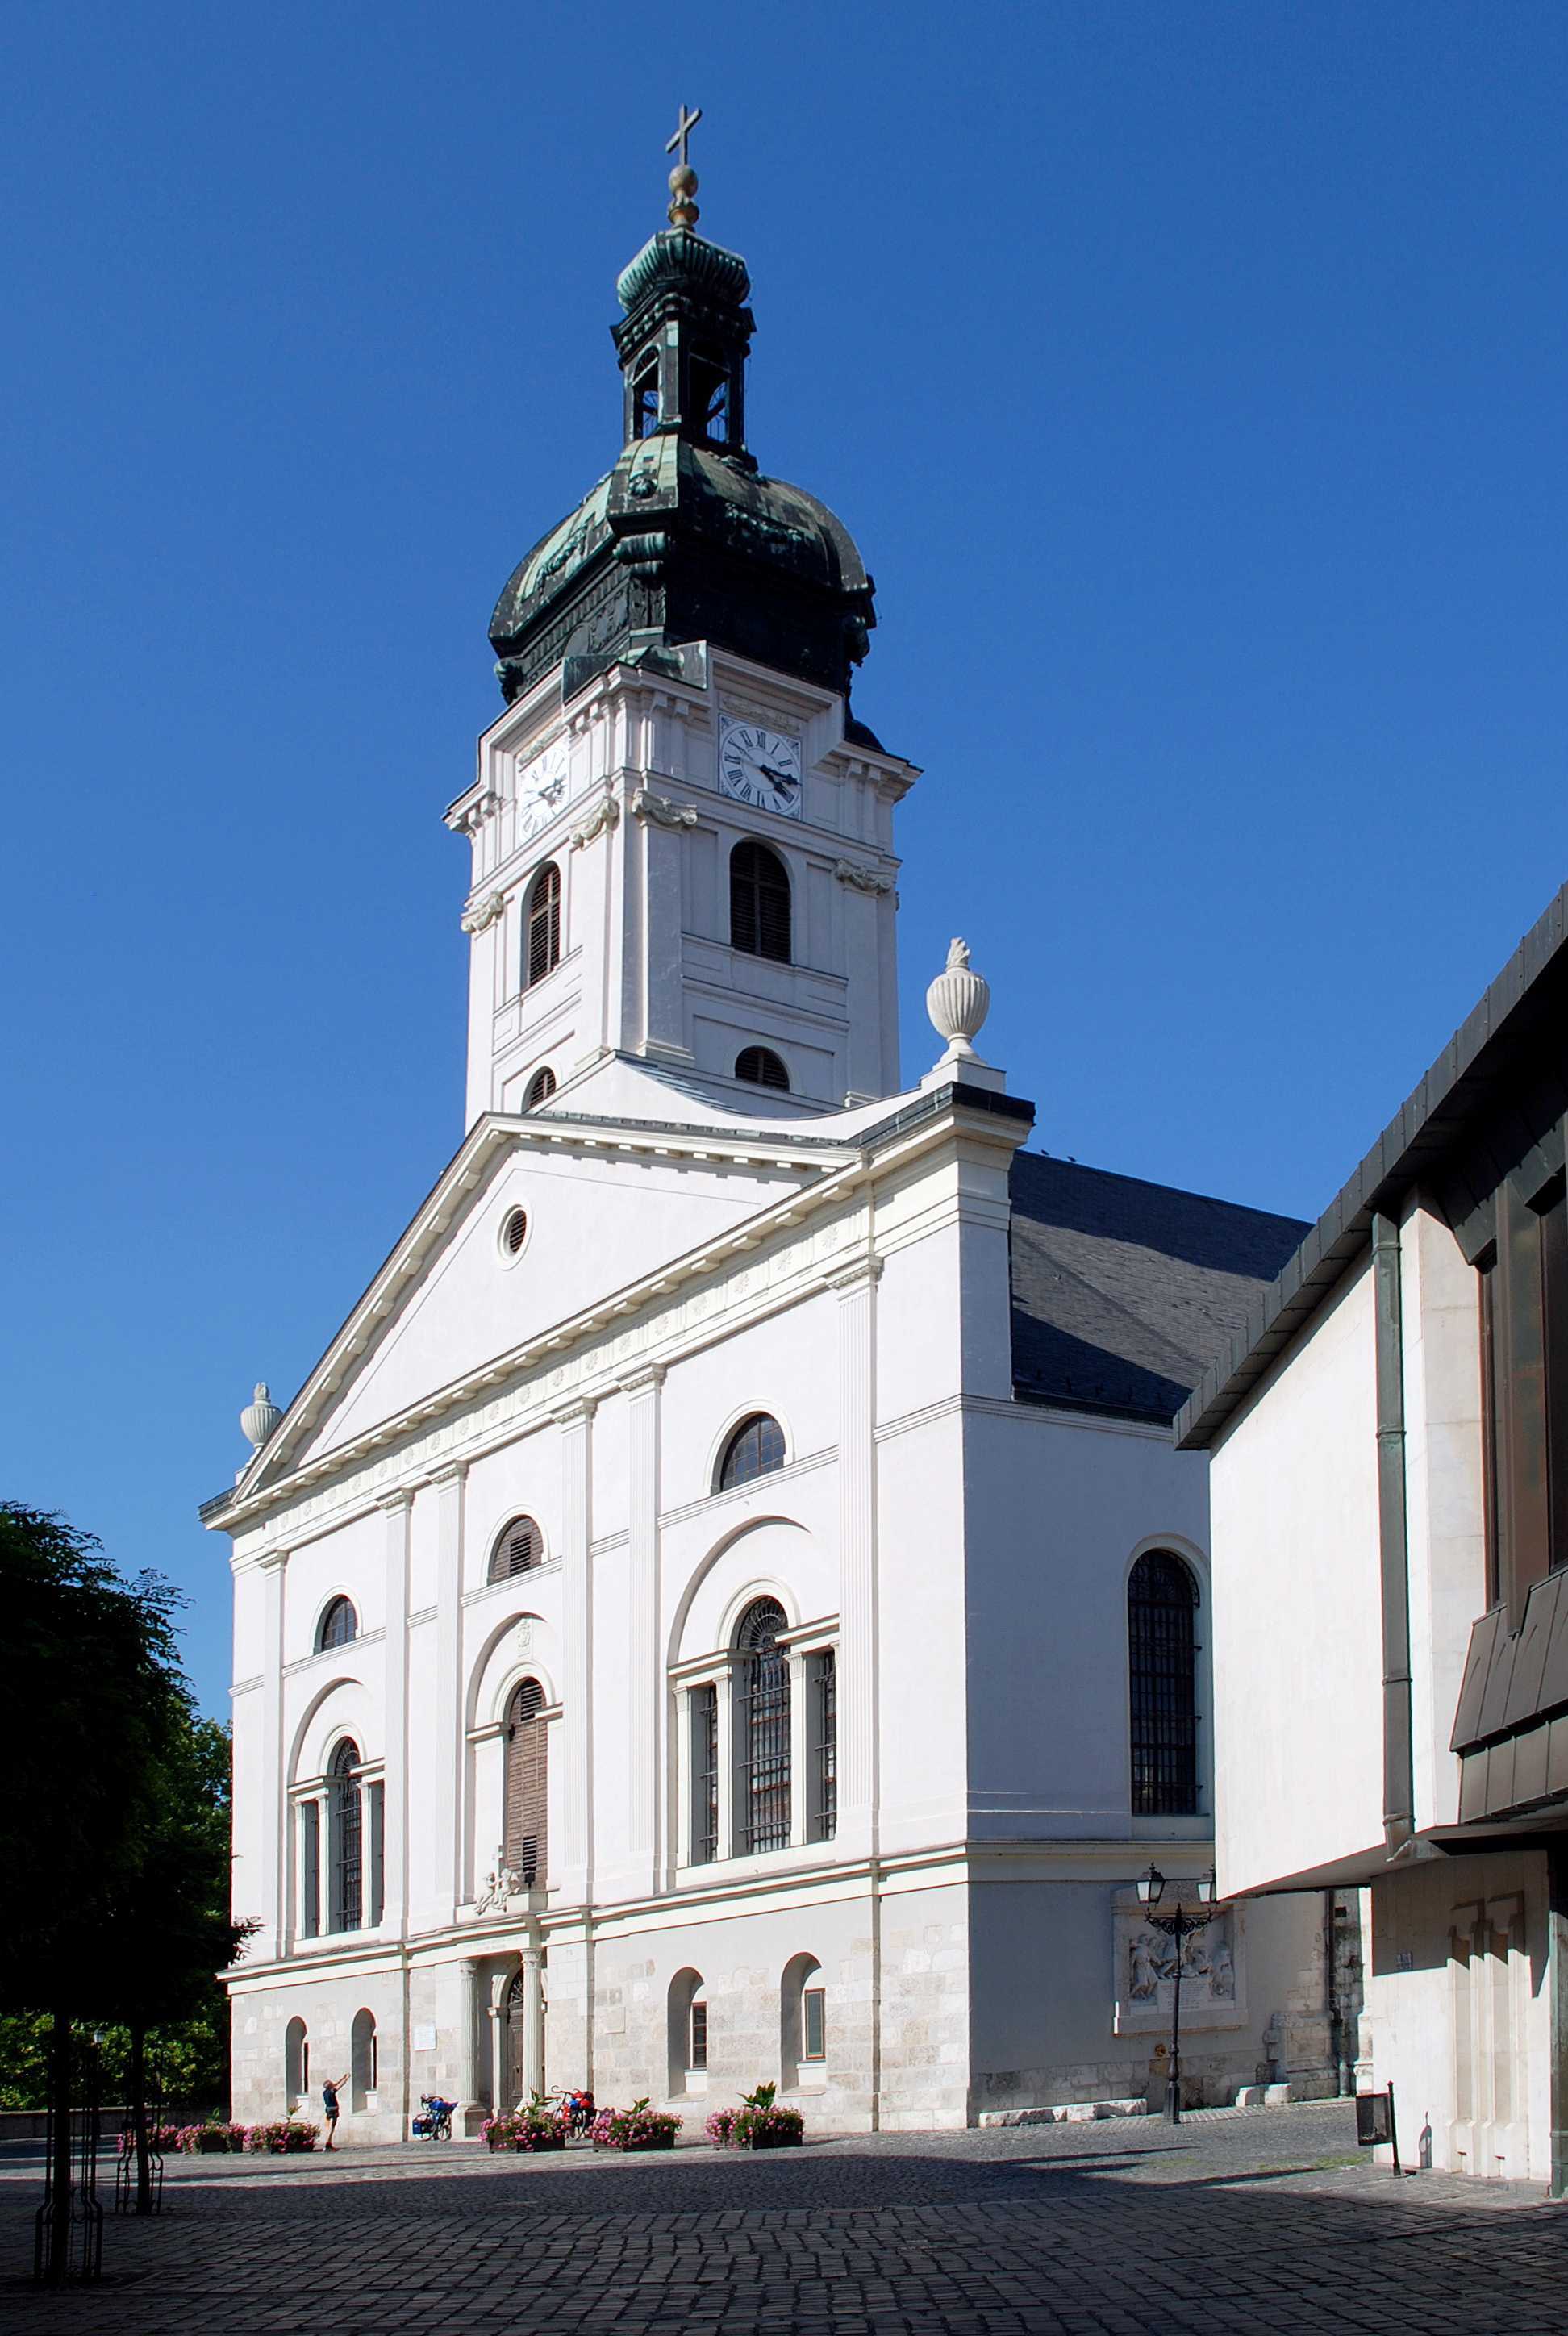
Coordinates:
column 779, row 778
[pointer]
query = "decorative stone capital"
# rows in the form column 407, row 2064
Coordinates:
column 482, row 914
column 863, row 878
column 604, row 814
column 580, row 1409
column 861, row 1273
column 644, row 1381
column 661, row 811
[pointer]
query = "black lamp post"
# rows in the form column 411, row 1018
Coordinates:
column 1180, row 1924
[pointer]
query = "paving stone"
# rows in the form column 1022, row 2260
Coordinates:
column 1225, row 2223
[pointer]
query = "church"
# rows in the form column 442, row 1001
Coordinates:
column 727, row 1606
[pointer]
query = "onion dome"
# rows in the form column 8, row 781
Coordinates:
column 686, row 540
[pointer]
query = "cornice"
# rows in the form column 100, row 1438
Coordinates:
column 675, row 1309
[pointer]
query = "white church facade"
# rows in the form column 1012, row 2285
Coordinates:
column 727, row 1606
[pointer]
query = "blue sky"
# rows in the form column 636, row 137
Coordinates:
column 1190, row 375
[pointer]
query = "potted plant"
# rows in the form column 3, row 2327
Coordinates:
column 537, row 2124
column 757, row 2124
column 638, row 2127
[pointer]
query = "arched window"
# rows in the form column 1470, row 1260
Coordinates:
column 803, row 2018
column 540, row 1087
column 761, row 1730
column 759, row 902
column 687, row 2033
column 339, row 1626
column 755, row 1449
column 346, row 1827
column 519, row 1545
column 296, row 2064
column 364, row 2056
column 1162, row 1600
column 526, row 1799
column 761, row 1068
column 542, row 951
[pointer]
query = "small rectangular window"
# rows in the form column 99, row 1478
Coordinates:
column 703, row 1774
column 813, row 2007
column 825, row 1759
column 310, row 1817
column 699, row 2036
column 377, row 1854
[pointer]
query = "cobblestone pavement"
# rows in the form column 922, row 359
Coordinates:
column 1270, row 2220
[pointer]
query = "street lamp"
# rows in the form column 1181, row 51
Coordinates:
column 1180, row 1924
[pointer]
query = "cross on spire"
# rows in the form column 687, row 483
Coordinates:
column 683, row 130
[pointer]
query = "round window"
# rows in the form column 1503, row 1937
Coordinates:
column 513, row 1232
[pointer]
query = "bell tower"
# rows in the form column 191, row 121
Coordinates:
column 682, row 835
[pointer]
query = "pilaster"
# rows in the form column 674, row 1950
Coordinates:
column 449, row 1746
column 858, row 1681
column 575, row 1421
column 396, row 1511
column 646, row 1701
column 274, row 1783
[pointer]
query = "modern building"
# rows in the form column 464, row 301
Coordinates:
column 725, row 1605
column 1388, row 1442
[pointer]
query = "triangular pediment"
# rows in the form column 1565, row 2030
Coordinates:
column 602, row 1208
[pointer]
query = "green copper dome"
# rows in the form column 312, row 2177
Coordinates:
column 686, row 540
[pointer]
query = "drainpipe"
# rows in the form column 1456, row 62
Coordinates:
column 1398, row 1757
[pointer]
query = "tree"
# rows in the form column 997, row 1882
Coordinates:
column 168, row 1929
column 114, row 1815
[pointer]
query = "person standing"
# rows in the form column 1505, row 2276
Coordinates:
column 329, row 2092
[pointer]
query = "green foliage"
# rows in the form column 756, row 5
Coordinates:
column 116, row 1814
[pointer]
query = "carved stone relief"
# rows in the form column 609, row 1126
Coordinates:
column 1213, row 1973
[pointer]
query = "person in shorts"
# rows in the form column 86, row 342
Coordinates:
column 329, row 2092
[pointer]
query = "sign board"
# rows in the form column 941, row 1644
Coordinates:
column 1374, row 2124
column 425, row 2036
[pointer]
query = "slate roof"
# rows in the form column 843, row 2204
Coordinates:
column 1124, row 1293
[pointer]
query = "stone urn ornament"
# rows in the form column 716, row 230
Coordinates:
column 259, row 1419
column 957, row 1002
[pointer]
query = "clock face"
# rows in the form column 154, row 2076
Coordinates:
column 760, row 767
column 541, row 789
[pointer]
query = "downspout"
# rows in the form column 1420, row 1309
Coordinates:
column 1393, row 1538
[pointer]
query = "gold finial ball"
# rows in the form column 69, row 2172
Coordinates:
column 683, row 209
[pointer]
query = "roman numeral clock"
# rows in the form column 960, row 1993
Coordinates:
column 759, row 766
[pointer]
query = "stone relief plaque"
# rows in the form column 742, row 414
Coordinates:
column 1213, row 1973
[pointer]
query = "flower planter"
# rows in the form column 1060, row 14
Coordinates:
column 638, row 2127
column 525, row 2130
column 772, row 2138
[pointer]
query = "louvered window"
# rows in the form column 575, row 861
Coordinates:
column 763, row 1730
column 540, row 1087
column 520, row 1545
column 755, row 1449
column 543, row 924
column 759, row 902
column 761, row 1068
column 527, row 1791
column 1162, row 1601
